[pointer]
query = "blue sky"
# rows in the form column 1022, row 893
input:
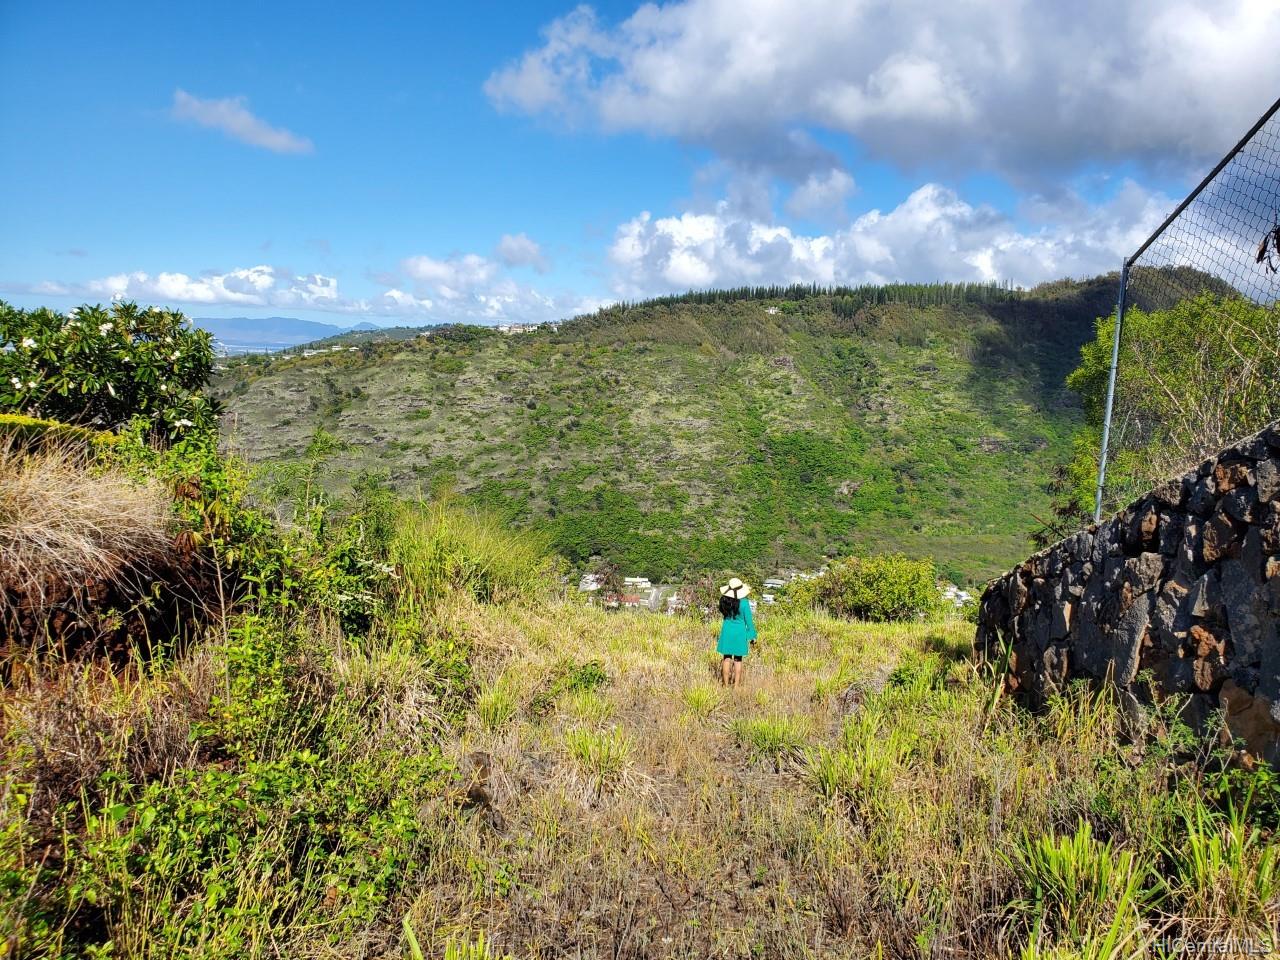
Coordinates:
column 490, row 162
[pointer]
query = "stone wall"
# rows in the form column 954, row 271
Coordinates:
column 1177, row 594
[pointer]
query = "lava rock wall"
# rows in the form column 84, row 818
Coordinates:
column 1179, row 593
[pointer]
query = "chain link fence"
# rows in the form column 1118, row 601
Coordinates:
column 1195, row 361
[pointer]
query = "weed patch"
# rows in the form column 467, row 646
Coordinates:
column 776, row 739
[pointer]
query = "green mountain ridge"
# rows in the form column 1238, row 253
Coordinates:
column 754, row 429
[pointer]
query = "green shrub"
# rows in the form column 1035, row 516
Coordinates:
column 284, row 806
column 259, row 560
column 202, row 864
column 359, row 578
column 293, row 826
column 880, row 588
column 102, row 367
column 1191, row 379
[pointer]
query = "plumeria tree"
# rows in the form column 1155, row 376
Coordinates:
column 105, row 366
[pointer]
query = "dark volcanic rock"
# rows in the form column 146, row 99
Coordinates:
column 1185, row 584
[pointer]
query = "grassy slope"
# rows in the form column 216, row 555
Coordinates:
column 283, row 789
column 688, row 435
column 844, row 803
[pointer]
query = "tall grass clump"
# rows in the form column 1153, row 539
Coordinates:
column 601, row 754
column 1077, row 883
column 567, row 677
column 777, row 738
column 703, row 699
column 589, row 706
column 442, row 547
column 861, row 769
column 455, row 948
column 496, row 705
column 63, row 526
column 477, row 949
column 1223, row 867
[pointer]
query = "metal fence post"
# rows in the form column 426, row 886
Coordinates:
column 1111, row 394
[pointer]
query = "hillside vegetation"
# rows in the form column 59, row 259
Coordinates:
column 757, row 428
column 381, row 731
column 1192, row 379
column 395, row 741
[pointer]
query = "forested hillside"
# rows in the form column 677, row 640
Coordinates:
column 757, row 427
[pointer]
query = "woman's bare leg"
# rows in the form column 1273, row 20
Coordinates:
column 724, row 671
column 737, row 673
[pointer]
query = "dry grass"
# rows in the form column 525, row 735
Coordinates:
column 661, row 815
column 846, row 802
column 66, row 724
column 64, row 528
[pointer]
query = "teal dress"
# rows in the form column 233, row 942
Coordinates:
column 736, row 633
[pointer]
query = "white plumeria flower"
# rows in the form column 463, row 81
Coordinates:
column 164, row 388
column 184, row 422
column 175, row 355
column 28, row 343
column 16, row 382
column 105, row 327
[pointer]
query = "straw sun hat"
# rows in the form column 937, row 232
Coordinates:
column 735, row 588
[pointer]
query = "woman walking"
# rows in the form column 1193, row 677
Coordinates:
column 737, row 632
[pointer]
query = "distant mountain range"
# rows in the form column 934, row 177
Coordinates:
column 258, row 334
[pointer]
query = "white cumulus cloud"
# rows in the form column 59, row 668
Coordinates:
column 473, row 288
column 518, row 250
column 1026, row 88
column 466, row 288
column 231, row 115
column 453, row 277
column 259, row 286
column 250, row 285
column 822, row 196
column 933, row 234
